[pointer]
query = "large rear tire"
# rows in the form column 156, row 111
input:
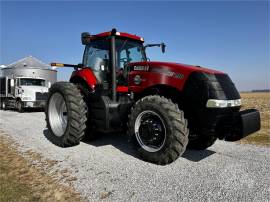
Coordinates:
column 90, row 132
column 65, row 114
column 158, row 129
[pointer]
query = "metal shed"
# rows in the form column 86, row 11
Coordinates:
column 29, row 67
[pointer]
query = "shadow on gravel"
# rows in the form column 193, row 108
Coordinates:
column 120, row 142
column 27, row 110
column 117, row 140
column 197, row 155
column 33, row 110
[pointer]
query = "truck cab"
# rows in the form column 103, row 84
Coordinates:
column 24, row 92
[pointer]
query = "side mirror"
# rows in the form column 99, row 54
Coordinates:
column 163, row 46
column 85, row 38
column 12, row 83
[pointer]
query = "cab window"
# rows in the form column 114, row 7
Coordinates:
column 96, row 54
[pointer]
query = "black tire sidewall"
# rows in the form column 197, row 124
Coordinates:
column 76, row 115
column 19, row 106
column 172, row 146
column 157, row 109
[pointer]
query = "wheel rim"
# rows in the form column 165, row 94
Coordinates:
column 57, row 112
column 150, row 131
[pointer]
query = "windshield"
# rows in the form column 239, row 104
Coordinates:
column 127, row 51
column 32, row 82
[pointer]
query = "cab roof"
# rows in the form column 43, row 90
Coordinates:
column 120, row 34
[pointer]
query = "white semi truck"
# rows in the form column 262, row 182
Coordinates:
column 25, row 84
column 23, row 92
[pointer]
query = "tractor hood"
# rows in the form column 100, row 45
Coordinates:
column 144, row 75
column 176, row 67
column 212, row 84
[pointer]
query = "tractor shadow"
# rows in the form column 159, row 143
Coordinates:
column 121, row 142
column 118, row 140
column 197, row 155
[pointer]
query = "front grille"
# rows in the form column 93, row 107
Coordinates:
column 223, row 88
column 41, row 96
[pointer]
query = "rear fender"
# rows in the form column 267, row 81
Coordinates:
column 86, row 75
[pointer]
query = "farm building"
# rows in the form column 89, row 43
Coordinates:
column 29, row 67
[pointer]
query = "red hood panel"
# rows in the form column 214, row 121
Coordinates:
column 178, row 67
column 152, row 77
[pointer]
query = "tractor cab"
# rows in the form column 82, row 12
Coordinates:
column 109, row 55
column 97, row 53
column 110, row 52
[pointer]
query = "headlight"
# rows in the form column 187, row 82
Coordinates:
column 212, row 103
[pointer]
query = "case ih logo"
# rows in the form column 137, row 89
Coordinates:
column 159, row 70
column 167, row 73
column 141, row 68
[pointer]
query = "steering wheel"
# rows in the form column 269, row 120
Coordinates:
column 123, row 60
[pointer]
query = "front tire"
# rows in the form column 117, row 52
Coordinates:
column 19, row 106
column 3, row 105
column 65, row 114
column 158, row 129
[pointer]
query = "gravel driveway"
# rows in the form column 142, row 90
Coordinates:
column 225, row 171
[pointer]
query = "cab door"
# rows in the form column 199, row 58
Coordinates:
column 96, row 57
column 121, row 71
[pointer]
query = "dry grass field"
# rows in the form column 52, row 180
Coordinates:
column 21, row 181
column 260, row 101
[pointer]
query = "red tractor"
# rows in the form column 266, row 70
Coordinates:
column 163, row 106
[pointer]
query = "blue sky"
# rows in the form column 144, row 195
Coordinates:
column 229, row 36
